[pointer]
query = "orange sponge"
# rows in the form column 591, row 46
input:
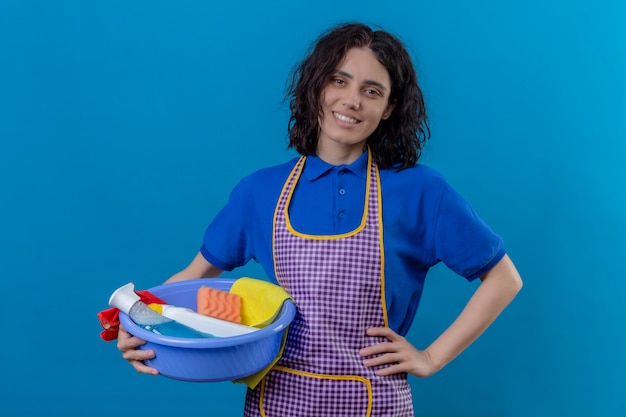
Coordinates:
column 219, row 304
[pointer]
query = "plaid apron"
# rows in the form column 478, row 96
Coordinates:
column 337, row 284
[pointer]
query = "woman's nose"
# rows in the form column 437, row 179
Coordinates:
column 352, row 99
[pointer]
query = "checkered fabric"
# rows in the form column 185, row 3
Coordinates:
column 336, row 284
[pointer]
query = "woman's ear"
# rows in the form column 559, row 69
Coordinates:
column 389, row 110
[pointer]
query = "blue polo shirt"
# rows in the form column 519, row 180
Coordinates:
column 424, row 222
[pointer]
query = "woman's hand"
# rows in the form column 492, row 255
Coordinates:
column 398, row 353
column 127, row 344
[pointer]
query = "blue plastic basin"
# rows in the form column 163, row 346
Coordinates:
column 210, row 359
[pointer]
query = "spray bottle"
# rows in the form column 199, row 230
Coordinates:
column 127, row 301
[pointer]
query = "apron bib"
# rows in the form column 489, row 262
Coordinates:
column 337, row 284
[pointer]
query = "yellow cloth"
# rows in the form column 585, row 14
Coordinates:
column 261, row 302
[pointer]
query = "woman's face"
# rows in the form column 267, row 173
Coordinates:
column 354, row 101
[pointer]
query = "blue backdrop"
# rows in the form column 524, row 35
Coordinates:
column 125, row 124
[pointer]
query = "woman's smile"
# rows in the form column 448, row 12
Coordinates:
column 345, row 119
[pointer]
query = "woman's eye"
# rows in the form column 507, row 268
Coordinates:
column 338, row 81
column 372, row 92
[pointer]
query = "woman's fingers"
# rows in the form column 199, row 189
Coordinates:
column 128, row 345
column 395, row 355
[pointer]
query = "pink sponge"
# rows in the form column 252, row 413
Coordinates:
column 219, row 304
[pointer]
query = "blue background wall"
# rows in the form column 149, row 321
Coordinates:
column 125, row 124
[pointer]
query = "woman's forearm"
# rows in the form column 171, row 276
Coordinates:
column 498, row 287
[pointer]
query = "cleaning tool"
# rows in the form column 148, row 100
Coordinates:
column 202, row 323
column 110, row 318
column 261, row 301
column 219, row 304
column 127, row 301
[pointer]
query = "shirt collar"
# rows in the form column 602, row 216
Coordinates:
column 315, row 167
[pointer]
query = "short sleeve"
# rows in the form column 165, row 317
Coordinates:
column 226, row 243
column 463, row 241
column 242, row 230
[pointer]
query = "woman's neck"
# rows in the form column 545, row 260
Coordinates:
column 339, row 155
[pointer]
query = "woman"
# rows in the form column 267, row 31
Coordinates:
column 350, row 230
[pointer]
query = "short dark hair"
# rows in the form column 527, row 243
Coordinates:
column 398, row 141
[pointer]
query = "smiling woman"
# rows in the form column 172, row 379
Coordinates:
column 355, row 271
column 386, row 68
column 353, row 105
